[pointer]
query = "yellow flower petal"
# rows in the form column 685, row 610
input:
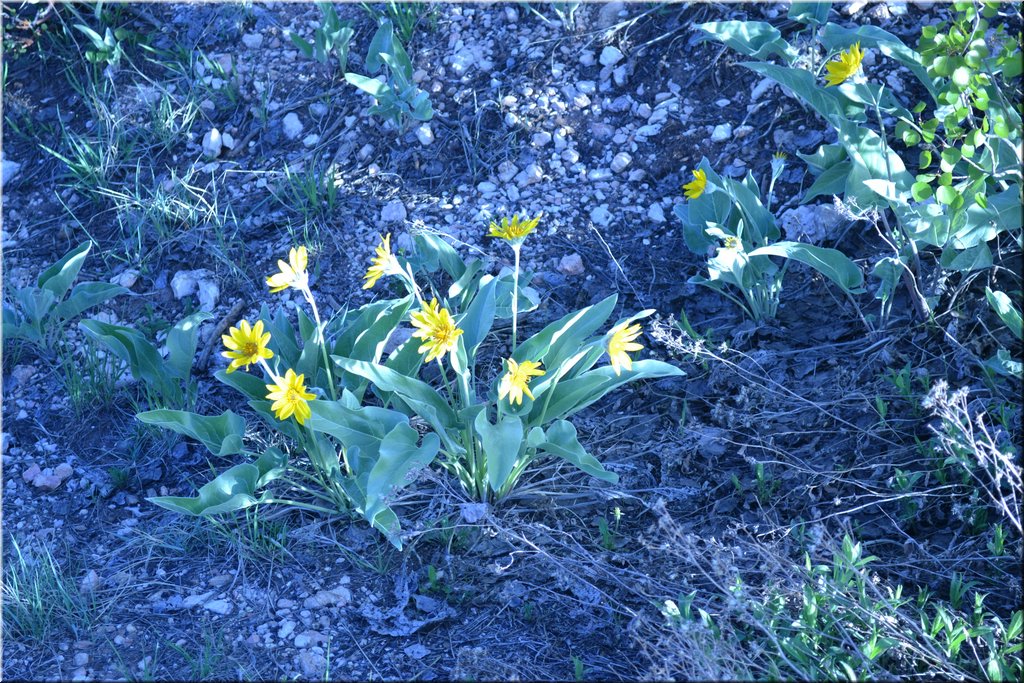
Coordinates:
column 246, row 345
column 695, row 187
column 620, row 344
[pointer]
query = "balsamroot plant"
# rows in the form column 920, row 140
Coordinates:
column 341, row 407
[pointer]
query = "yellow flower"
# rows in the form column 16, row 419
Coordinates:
column 620, row 344
column 695, row 188
column 290, row 397
column 384, row 263
column 515, row 230
column 246, row 345
column 847, row 64
column 293, row 273
column 516, row 381
column 731, row 242
column 436, row 327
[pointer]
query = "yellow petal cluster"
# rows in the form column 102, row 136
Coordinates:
column 246, row 345
column 731, row 242
column 695, row 187
column 516, row 381
column 290, row 397
column 436, row 327
column 383, row 263
column 291, row 274
column 623, row 342
column 514, row 230
column 844, row 66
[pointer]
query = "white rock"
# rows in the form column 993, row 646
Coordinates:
column 208, row 293
column 252, row 40
column 656, row 213
column 540, row 139
column 487, row 187
column 530, row 175
column 620, row 75
column 10, row 169
column 228, row 140
column 722, row 102
column 212, row 143
column 507, row 171
column 610, row 55
column 90, row 582
column 648, row 131
column 336, row 597
column 393, row 212
column 571, row 264
column 219, row 606
column 310, row 140
column 292, row 126
column 587, row 58
column 286, row 629
column 721, row 133
column 599, row 174
column 760, row 88
column 601, row 215
column 424, row 134
column 644, row 111
column 621, row 161
column 126, row 279
column 183, row 283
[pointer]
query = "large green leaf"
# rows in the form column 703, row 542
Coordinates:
column 832, row 263
column 561, row 440
column 399, row 456
column 575, row 394
column 476, row 322
column 418, row 394
column 432, row 251
column 756, row 39
column 182, row 340
column 1006, row 311
column 251, row 386
column 564, row 337
column 502, row 444
column 812, row 13
column 58, row 277
column 85, row 295
column 803, row 84
column 361, row 428
column 830, row 183
column 222, row 435
column 233, row 489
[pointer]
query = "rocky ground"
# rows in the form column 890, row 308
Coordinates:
column 595, row 125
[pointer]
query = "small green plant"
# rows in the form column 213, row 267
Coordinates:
column 106, row 49
column 729, row 217
column 89, row 375
column 38, row 313
column 397, row 98
column 164, row 382
column 403, row 15
column 331, row 37
column 578, row 670
column 1002, row 362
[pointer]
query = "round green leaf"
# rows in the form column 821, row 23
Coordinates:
column 946, row 194
column 921, row 191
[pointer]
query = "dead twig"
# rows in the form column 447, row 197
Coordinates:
column 225, row 322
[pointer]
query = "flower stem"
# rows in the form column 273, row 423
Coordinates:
column 515, row 298
column 322, row 341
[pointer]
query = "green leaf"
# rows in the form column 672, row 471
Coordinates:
column 476, row 322
column 182, row 340
column 433, row 252
column 811, row 13
column 418, row 394
column 946, row 194
column 382, row 42
column 921, row 191
column 572, row 395
column 58, row 277
column 234, row 489
column 502, row 444
column 142, row 357
column 85, row 295
column 360, row 428
column 222, row 435
column 830, row 183
column 1006, row 311
column 804, row 86
column 825, row 157
column 978, row 257
column 756, row 39
column 560, row 440
column 832, row 263
column 564, row 337
column 398, row 457
column 369, row 85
